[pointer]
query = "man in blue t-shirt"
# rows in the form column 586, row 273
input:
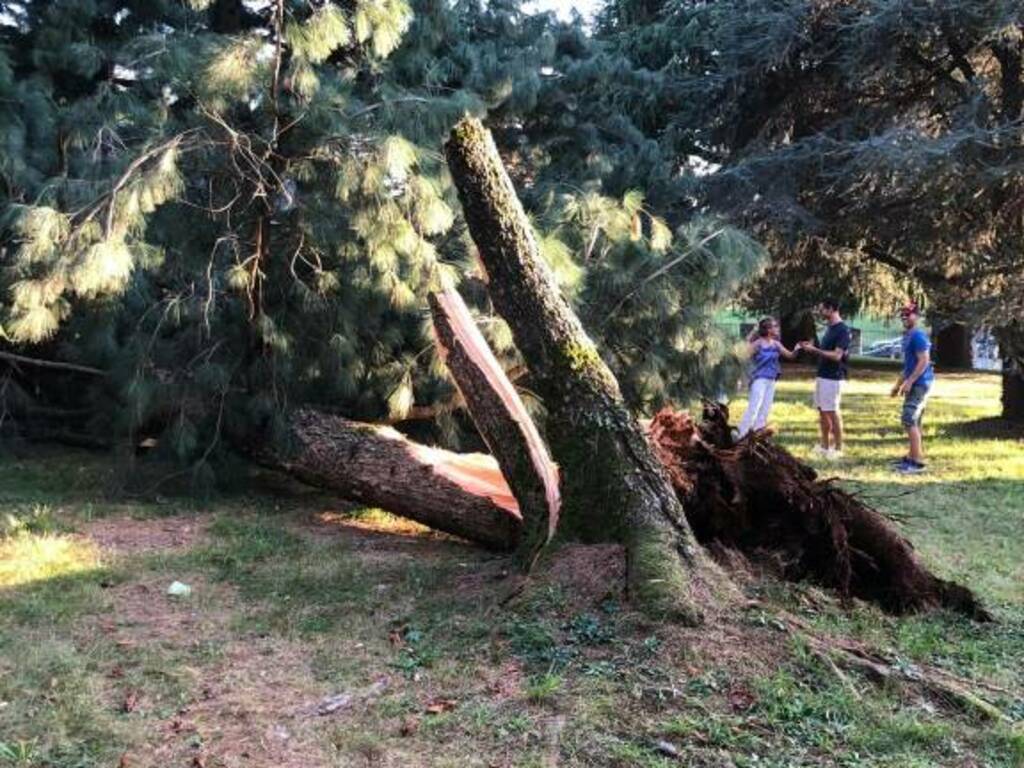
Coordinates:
column 914, row 384
column 828, row 386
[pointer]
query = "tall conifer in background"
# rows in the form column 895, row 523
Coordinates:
column 874, row 147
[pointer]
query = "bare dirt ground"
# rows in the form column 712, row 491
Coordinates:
column 242, row 699
column 249, row 702
column 128, row 536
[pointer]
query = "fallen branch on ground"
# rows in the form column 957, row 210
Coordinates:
column 882, row 668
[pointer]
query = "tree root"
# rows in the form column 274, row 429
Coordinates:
column 754, row 496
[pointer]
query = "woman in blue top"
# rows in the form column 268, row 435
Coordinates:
column 765, row 349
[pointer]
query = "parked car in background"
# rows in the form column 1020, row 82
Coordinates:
column 890, row 349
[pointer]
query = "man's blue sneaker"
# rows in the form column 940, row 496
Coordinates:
column 910, row 467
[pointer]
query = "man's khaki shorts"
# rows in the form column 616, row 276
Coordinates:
column 827, row 394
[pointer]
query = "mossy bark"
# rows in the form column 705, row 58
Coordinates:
column 613, row 487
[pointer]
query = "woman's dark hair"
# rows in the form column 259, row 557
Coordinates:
column 764, row 326
column 830, row 304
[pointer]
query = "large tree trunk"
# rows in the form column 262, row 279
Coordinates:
column 1011, row 348
column 797, row 326
column 952, row 345
column 461, row 494
column 750, row 496
column 501, row 418
column 613, row 487
column 1013, row 390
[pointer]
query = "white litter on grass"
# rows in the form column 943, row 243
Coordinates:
column 177, row 589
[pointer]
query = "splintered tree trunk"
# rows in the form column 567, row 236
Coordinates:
column 461, row 494
column 613, row 487
column 750, row 496
column 501, row 418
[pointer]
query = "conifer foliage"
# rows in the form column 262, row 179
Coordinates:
column 876, row 148
column 241, row 227
column 235, row 208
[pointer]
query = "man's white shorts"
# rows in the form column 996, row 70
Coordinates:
column 827, row 394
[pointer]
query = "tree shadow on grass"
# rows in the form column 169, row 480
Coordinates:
column 990, row 428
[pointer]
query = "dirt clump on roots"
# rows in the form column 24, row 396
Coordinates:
column 753, row 496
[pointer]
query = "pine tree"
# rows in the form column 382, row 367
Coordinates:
column 236, row 209
column 242, row 224
column 874, row 148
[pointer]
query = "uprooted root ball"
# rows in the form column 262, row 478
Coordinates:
column 754, row 496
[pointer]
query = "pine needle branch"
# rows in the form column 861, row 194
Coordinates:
column 15, row 359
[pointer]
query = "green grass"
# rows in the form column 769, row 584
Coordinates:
column 974, row 484
column 317, row 609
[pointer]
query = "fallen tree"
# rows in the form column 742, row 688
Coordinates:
column 657, row 491
column 750, row 496
column 461, row 494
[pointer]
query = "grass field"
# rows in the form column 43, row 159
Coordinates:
column 296, row 605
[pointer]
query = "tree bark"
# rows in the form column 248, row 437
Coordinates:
column 1013, row 391
column 750, row 496
column 501, row 418
column 953, row 346
column 613, row 487
column 461, row 494
column 1011, row 348
column 797, row 326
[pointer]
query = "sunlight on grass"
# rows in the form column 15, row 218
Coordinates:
column 28, row 557
column 364, row 603
column 874, row 436
column 966, row 512
column 377, row 520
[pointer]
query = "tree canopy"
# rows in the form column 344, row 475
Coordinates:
column 236, row 208
column 874, row 147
